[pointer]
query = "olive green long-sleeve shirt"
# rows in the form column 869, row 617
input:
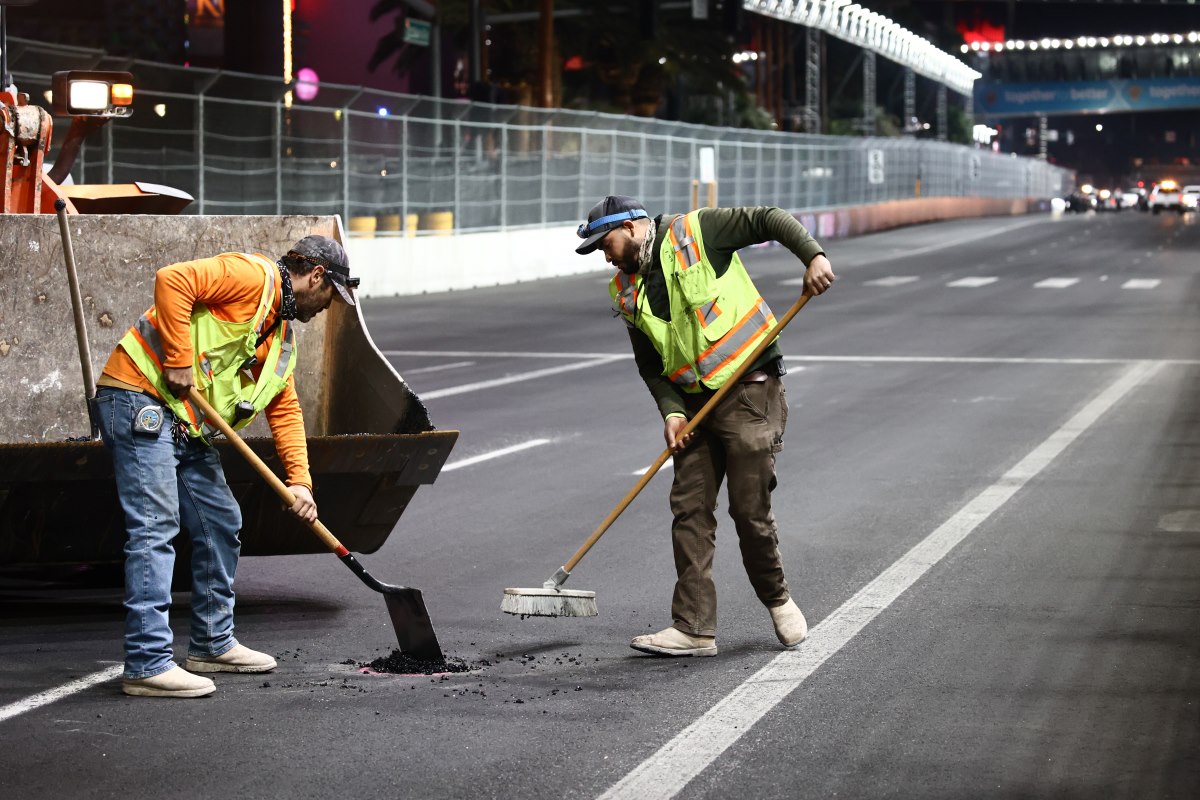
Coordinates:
column 725, row 231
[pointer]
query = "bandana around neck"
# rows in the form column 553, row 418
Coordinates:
column 287, row 297
column 646, row 253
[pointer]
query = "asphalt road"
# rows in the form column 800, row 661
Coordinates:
column 990, row 513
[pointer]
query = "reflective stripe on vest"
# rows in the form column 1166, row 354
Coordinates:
column 685, row 376
column 683, row 242
column 627, row 294
column 708, row 313
column 146, row 330
column 285, row 349
column 741, row 337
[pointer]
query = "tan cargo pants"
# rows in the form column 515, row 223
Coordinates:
column 737, row 441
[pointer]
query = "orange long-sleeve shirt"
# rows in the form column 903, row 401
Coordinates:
column 230, row 285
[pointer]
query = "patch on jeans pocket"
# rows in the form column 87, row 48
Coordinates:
column 148, row 420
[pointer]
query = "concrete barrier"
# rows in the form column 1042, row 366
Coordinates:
column 406, row 265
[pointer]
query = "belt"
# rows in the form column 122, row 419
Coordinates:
column 117, row 383
column 758, row 376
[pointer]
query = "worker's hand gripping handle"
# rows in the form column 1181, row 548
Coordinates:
column 281, row 489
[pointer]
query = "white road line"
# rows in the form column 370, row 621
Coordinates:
column 439, row 367
column 668, row 464
column 1056, row 283
column 893, row 280
column 971, row 283
column 502, row 354
column 981, row 360
column 1141, row 283
column 50, row 695
column 519, row 377
column 505, row 451
column 666, row 773
column 837, row 359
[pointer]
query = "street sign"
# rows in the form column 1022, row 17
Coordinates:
column 875, row 166
column 417, row 31
column 708, row 165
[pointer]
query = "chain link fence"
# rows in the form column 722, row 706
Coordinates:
column 239, row 144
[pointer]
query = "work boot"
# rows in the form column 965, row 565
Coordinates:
column 790, row 625
column 674, row 642
column 236, row 659
column 175, row 682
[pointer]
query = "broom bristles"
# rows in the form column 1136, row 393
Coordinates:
column 542, row 602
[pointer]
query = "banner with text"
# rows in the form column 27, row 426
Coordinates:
column 1086, row 97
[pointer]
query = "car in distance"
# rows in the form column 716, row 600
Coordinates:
column 1109, row 200
column 1131, row 198
column 1190, row 197
column 1166, row 197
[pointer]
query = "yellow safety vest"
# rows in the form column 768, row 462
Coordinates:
column 715, row 322
column 222, row 353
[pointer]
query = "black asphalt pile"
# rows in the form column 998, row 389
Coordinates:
column 400, row 664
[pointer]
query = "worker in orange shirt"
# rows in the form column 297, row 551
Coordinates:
column 224, row 325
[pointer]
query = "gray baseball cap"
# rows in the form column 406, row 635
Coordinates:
column 328, row 253
column 606, row 215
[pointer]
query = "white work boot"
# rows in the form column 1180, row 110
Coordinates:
column 674, row 642
column 790, row 625
column 236, row 659
column 175, row 682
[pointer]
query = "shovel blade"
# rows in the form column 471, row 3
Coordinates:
column 414, row 628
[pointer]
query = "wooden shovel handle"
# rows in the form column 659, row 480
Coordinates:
column 281, row 489
column 780, row 324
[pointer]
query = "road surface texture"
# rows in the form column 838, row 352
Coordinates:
column 989, row 505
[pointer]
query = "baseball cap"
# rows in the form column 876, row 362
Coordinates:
column 322, row 251
column 609, row 213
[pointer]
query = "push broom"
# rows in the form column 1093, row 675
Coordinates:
column 551, row 600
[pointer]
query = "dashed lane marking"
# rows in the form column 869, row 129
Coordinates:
column 519, row 377
column 1056, row 283
column 971, row 283
column 504, row 451
column 893, row 280
column 1141, row 283
column 667, row 772
column 668, row 464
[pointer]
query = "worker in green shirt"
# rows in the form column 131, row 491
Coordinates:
column 693, row 317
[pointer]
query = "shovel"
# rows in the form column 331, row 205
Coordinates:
column 414, row 629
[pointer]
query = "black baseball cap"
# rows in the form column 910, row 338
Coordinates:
column 328, row 253
column 606, row 215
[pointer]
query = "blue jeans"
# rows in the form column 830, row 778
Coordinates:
column 163, row 484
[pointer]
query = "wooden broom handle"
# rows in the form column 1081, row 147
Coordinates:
column 691, row 426
column 281, row 489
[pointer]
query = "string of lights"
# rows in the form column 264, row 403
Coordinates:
column 1085, row 42
column 869, row 30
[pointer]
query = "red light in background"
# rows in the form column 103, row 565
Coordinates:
column 982, row 32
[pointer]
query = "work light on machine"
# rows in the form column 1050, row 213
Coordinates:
column 91, row 93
